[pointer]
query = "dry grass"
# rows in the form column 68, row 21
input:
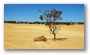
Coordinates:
column 21, row 36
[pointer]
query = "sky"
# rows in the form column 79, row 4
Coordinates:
column 30, row 13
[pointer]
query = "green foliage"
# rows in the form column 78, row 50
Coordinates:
column 41, row 17
column 48, row 14
column 51, row 16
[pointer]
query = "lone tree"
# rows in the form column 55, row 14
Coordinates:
column 51, row 17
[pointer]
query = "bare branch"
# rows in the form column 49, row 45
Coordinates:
column 51, row 16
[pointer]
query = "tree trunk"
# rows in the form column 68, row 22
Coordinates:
column 54, row 36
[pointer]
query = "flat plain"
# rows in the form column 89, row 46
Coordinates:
column 21, row 36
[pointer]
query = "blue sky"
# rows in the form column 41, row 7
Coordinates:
column 30, row 13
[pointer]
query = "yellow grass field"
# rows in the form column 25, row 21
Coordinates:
column 21, row 36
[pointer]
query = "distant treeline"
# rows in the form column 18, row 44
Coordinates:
column 36, row 22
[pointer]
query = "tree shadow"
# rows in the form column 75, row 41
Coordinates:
column 59, row 39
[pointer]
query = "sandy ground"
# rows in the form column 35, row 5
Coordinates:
column 21, row 36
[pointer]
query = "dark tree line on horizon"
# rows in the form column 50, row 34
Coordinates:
column 22, row 22
column 37, row 22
